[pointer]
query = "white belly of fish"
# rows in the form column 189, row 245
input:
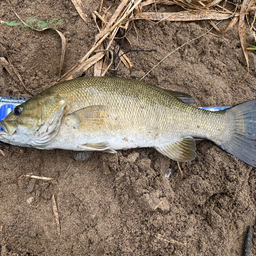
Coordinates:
column 74, row 139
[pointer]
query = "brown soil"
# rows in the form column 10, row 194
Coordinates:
column 123, row 204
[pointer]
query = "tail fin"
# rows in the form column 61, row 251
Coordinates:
column 243, row 141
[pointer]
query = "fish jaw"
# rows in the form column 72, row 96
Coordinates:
column 4, row 137
column 19, row 137
column 9, row 127
column 25, row 138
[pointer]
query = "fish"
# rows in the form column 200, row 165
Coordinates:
column 110, row 113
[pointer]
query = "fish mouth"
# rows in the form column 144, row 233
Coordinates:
column 8, row 126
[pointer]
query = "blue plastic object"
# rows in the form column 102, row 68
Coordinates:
column 248, row 242
column 214, row 108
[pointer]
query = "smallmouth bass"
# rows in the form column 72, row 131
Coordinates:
column 111, row 113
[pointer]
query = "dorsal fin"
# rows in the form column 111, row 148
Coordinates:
column 182, row 96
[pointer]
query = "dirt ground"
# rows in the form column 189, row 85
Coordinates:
column 123, row 204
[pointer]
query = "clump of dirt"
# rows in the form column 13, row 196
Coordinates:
column 123, row 204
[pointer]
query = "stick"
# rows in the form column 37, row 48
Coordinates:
column 56, row 214
column 169, row 54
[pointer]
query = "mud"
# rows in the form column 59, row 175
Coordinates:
column 123, row 204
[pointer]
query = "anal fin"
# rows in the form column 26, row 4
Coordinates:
column 181, row 151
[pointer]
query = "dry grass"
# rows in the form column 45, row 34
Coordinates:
column 169, row 240
column 56, row 214
column 13, row 72
column 63, row 40
column 104, row 40
column 101, row 53
column 30, row 175
column 242, row 32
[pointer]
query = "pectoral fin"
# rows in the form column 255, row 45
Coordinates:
column 181, row 151
column 89, row 117
column 103, row 146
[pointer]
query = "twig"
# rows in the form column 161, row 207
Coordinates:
column 157, row 206
column 38, row 177
column 172, row 241
column 80, row 9
column 101, row 5
column 13, row 72
column 169, row 54
column 242, row 34
column 181, row 172
column 2, row 152
column 109, row 65
column 125, row 8
column 62, row 37
column 116, row 55
column 231, row 25
column 56, row 214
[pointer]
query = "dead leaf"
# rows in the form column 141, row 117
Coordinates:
column 230, row 26
column 183, row 16
column 79, row 5
column 76, row 72
column 13, row 72
column 98, row 65
column 63, row 39
column 162, row 2
column 112, row 19
column 107, row 34
column 214, row 2
column 242, row 33
column 63, row 49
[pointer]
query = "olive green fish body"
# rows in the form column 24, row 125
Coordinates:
column 129, row 114
column 108, row 114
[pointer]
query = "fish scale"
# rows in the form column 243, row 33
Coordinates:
column 110, row 113
column 149, row 107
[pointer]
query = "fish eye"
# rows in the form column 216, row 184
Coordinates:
column 18, row 110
